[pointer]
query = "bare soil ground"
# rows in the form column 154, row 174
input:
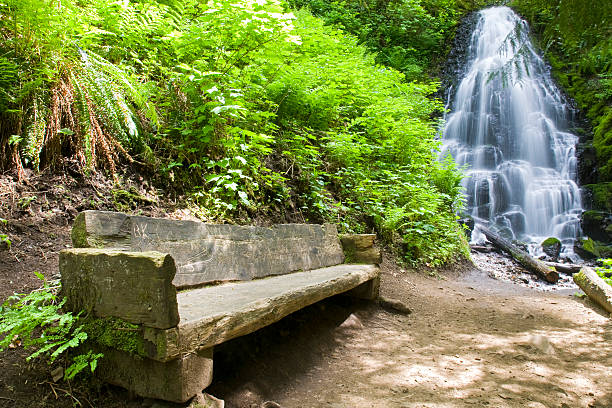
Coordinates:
column 471, row 340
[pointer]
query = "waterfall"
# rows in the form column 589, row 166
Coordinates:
column 508, row 125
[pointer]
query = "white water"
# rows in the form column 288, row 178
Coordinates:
column 512, row 136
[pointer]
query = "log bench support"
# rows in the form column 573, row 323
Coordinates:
column 176, row 380
column 189, row 286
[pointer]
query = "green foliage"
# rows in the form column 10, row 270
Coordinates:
column 248, row 108
column 57, row 96
column 4, row 237
column 601, row 195
column 366, row 145
column 576, row 37
column 605, row 271
column 409, row 35
column 35, row 320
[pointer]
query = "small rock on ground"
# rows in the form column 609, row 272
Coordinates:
column 394, row 305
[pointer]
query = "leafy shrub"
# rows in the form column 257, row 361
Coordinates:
column 406, row 35
column 58, row 96
column 248, row 108
column 4, row 237
column 605, row 271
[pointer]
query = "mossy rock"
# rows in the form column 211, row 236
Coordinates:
column 596, row 225
column 591, row 249
column 601, row 196
column 602, row 140
column 551, row 247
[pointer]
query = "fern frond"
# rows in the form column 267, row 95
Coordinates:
column 127, row 86
column 34, row 137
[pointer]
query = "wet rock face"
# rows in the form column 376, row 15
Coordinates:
column 587, row 167
column 456, row 61
column 552, row 247
column 597, row 225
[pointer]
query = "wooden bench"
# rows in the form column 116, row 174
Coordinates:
column 190, row 286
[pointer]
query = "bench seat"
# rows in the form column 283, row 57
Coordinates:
column 213, row 315
column 190, row 286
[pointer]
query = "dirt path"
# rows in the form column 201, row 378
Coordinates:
column 470, row 341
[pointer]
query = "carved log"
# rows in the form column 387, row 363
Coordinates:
column 595, row 287
column 522, row 257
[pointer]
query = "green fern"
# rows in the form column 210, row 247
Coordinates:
column 35, row 321
column 104, row 99
column 33, row 140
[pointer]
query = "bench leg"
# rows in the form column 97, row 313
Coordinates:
column 367, row 290
column 176, row 380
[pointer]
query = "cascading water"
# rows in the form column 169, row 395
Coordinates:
column 508, row 124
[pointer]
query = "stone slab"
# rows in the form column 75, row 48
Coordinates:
column 213, row 315
column 178, row 380
column 134, row 286
column 209, row 252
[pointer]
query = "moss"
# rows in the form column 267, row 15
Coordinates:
column 116, row 333
column 593, row 216
column 605, row 251
column 349, row 254
column 161, row 346
column 596, row 248
column 602, row 140
column 79, row 234
column 601, row 194
column 580, row 279
column 589, row 245
column 550, row 242
column 124, row 200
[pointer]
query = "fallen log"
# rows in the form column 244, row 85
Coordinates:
column 522, row 257
column 568, row 269
column 481, row 248
column 595, row 287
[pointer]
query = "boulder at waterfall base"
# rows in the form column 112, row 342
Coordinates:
column 551, row 247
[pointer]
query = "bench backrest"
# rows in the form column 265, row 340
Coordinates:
column 213, row 252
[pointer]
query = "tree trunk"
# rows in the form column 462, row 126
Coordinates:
column 522, row 257
column 595, row 287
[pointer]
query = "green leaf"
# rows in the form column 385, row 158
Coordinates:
column 66, row 131
column 14, row 139
column 244, row 198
